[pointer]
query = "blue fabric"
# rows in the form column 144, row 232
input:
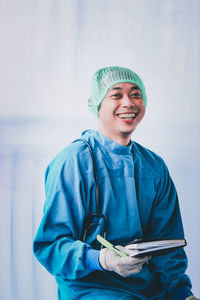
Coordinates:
column 139, row 199
column 181, row 293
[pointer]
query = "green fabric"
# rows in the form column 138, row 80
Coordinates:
column 104, row 78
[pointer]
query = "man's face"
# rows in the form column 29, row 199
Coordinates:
column 121, row 111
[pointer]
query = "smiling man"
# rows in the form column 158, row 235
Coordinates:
column 106, row 184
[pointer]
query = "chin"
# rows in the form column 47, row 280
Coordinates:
column 128, row 129
column 127, row 132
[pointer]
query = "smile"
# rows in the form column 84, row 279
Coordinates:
column 127, row 116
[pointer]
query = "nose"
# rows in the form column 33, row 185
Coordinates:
column 126, row 101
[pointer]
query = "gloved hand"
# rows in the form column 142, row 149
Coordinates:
column 191, row 298
column 124, row 266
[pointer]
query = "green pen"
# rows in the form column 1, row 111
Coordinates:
column 110, row 246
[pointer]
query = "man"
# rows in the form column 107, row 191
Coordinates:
column 136, row 199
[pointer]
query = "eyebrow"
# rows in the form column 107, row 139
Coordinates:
column 119, row 88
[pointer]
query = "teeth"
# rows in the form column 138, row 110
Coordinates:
column 127, row 116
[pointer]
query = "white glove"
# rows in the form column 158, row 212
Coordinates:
column 124, row 266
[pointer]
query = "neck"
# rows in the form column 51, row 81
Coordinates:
column 122, row 139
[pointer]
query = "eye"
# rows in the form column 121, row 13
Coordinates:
column 136, row 95
column 116, row 96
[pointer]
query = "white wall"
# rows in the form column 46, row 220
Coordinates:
column 49, row 51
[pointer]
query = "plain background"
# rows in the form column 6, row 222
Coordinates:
column 49, row 51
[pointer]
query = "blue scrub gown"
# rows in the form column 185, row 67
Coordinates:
column 139, row 200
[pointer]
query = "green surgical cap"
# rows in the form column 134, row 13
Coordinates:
column 104, row 78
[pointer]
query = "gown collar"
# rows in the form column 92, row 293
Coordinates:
column 109, row 144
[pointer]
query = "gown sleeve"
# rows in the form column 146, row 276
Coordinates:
column 166, row 223
column 57, row 245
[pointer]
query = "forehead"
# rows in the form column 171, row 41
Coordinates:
column 123, row 86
